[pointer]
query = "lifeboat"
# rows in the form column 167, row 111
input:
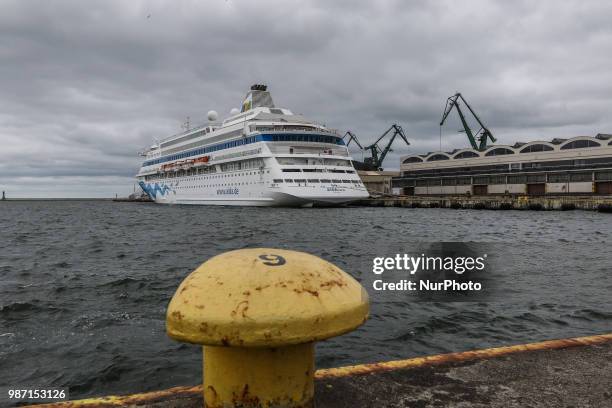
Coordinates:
column 201, row 160
column 186, row 165
column 171, row 166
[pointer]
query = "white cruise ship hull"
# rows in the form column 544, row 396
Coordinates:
column 264, row 156
column 300, row 197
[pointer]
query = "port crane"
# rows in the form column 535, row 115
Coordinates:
column 351, row 138
column 378, row 154
column 479, row 139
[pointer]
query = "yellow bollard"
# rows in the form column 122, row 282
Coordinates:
column 258, row 313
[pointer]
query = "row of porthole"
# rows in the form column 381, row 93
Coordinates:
column 254, row 173
column 222, row 185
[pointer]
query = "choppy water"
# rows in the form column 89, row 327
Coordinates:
column 84, row 285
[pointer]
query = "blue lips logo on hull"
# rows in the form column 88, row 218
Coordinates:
column 153, row 189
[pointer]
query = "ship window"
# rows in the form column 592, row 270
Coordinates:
column 336, row 181
column 346, row 181
column 337, row 171
column 291, row 170
column 300, row 180
column 499, row 152
column 288, row 181
column 325, row 181
column 313, row 180
column 580, row 144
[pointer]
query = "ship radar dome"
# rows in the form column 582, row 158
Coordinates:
column 234, row 111
column 212, row 115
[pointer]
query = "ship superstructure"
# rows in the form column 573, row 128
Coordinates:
column 260, row 156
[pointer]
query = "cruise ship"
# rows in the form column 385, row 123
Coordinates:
column 259, row 156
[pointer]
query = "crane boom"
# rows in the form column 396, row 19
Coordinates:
column 377, row 154
column 352, row 138
column 483, row 133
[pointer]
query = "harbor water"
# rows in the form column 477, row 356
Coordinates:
column 84, row 285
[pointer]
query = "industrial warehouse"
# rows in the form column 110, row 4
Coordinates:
column 580, row 165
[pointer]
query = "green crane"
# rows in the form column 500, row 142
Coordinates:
column 483, row 133
column 378, row 154
column 351, row 138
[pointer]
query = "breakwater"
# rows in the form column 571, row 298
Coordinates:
column 534, row 203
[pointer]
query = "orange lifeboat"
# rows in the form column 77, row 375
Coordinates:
column 201, row 160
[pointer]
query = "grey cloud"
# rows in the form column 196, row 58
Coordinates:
column 84, row 86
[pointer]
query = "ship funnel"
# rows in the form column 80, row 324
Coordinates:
column 257, row 97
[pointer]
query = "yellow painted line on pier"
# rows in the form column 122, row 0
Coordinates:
column 361, row 369
column 459, row 357
column 128, row 400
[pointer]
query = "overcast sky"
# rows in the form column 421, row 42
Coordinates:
column 85, row 85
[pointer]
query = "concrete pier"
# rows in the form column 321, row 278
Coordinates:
column 495, row 202
column 564, row 373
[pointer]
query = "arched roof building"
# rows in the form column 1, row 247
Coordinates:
column 579, row 159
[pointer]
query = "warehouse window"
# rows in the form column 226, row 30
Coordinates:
column 579, row 144
column 537, row 148
column 558, row 178
column 466, row 155
column 603, row 175
column 536, row 178
column 497, row 180
column 481, row 180
column 517, row 179
column 499, row 151
column 581, row 177
column 436, row 157
column 413, row 160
